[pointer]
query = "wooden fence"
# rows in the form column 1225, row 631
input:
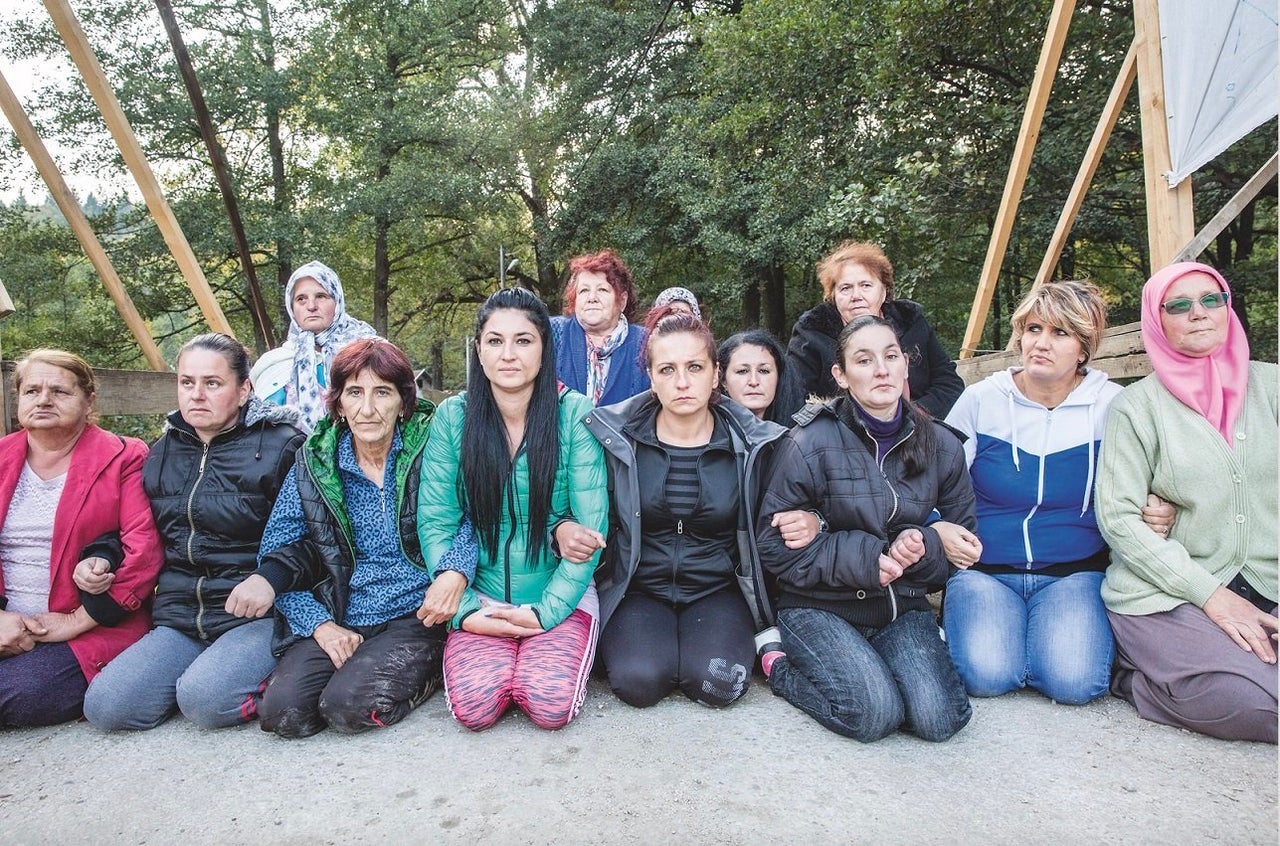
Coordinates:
column 141, row 392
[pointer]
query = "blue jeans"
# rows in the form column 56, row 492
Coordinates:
column 1025, row 630
column 214, row 685
column 867, row 683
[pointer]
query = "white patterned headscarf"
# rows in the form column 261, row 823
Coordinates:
column 678, row 295
column 304, row 390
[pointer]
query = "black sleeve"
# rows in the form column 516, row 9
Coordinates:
column 106, row 546
column 101, row 607
column 945, row 384
column 293, row 566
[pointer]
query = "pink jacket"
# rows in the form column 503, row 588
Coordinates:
column 103, row 493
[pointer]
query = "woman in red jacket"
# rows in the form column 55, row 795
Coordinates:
column 64, row 482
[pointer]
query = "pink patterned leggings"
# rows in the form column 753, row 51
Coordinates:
column 545, row 675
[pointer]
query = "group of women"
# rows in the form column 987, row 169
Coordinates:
column 638, row 487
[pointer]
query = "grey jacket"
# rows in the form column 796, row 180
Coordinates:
column 751, row 439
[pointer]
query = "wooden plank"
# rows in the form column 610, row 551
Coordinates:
column 1120, row 355
column 1088, row 167
column 1041, row 85
column 1230, row 211
column 96, row 81
column 1170, row 217
column 135, row 392
column 70, row 208
column 120, row 392
column 6, row 304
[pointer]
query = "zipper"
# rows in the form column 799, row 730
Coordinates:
column 893, row 597
column 512, row 512
column 894, row 512
column 200, row 633
column 191, row 499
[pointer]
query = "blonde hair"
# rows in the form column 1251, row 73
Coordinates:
column 864, row 253
column 1072, row 305
column 72, row 363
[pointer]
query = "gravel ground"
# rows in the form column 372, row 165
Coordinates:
column 1025, row 770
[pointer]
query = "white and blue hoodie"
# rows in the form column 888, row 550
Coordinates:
column 1033, row 470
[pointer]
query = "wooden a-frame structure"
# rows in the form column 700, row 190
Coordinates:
column 1171, row 231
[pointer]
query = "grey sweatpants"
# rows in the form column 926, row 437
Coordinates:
column 1179, row 668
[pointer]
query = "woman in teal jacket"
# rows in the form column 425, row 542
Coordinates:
column 513, row 453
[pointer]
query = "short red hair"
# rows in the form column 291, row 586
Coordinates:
column 387, row 361
column 608, row 263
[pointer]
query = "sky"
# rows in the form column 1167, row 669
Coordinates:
column 23, row 77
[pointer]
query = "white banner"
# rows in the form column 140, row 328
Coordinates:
column 1220, row 79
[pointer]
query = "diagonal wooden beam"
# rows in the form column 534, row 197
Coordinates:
column 1089, row 167
column 1046, row 69
column 1230, row 211
column 82, row 54
column 70, row 208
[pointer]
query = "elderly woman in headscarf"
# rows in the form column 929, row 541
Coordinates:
column 680, row 299
column 1193, row 607
column 319, row 327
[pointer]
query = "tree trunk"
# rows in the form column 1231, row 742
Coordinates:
column 774, row 300
column 381, row 265
column 751, row 304
column 281, row 200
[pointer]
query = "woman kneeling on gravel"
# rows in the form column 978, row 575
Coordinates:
column 361, row 636
column 863, row 654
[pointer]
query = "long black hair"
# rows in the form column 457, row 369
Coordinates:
column 486, row 461
column 918, row 452
column 757, row 338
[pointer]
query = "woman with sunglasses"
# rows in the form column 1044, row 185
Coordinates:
column 1194, row 608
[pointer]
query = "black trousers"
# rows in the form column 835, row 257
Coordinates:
column 706, row 648
column 396, row 668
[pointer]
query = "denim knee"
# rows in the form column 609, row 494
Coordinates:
column 942, row 723
column 106, row 710
column 1075, row 689
column 871, row 724
column 210, row 705
column 114, row 707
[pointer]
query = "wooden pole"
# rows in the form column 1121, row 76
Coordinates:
column 217, row 158
column 1088, row 167
column 1170, row 217
column 81, row 53
column 6, row 304
column 70, row 208
column 1041, row 85
column 6, row 308
column 1230, row 211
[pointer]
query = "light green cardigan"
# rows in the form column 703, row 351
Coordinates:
column 1226, row 499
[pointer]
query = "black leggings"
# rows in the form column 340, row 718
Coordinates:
column 396, row 667
column 705, row 648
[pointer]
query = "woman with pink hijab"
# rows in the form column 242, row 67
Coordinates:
column 1193, row 607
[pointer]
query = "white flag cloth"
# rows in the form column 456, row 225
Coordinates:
column 1220, row 78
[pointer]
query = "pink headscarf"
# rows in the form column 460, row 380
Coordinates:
column 1213, row 385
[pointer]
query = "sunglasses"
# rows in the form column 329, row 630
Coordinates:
column 1183, row 305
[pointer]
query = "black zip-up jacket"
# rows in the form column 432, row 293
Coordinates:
column 749, row 439
column 827, row 463
column 211, row 503
column 935, row 386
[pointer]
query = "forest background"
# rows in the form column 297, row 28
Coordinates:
column 723, row 145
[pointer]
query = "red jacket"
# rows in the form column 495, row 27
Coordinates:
column 103, row 493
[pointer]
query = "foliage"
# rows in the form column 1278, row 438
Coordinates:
column 724, row 145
